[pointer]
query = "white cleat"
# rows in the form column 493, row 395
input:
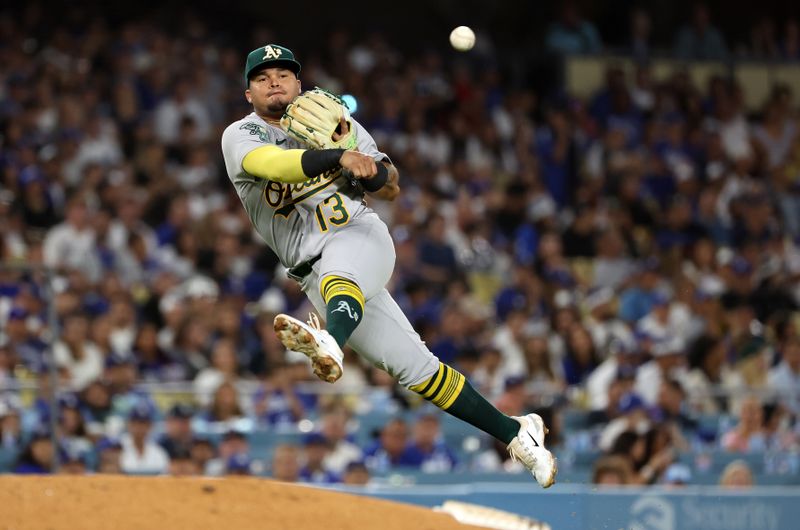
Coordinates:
column 314, row 342
column 528, row 448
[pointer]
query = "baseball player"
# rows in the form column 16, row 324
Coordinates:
column 301, row 167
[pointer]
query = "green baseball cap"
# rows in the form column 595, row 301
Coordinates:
column 271, row 55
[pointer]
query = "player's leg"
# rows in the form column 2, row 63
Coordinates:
column 387, row 340
column 356, row 263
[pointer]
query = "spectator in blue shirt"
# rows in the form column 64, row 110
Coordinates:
column 238, row 464
column 436, row 255
column 72, row 432
column 700, row 39
column 177, row 437
column 356, row 474
column 581, row 358
column 427, row 449
column 316, row 448
column 277, row 402
column 122, row 377
column 96, row 402
column 10, row 427
column 177, row 220
column 38, row 456
column 571, row 33
column 389, row 450
column 153, row 363
column 72, row 460
column 556, row 150
column 637, row 301
column 28, row 347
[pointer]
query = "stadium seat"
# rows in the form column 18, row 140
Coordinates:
column 7, row 459
column 574, row 419
column 263, row 442
column 370, row 422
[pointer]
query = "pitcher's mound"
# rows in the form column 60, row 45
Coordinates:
column 168, row 503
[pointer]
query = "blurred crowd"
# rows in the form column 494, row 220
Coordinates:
column 635, row 256
column 697, row 38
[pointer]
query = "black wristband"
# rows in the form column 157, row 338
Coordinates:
column 315, row 162
column 378, row 181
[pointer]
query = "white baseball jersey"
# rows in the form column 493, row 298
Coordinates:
column 294, row 219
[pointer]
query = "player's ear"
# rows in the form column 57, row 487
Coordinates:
column 299, row 87
column 247, row 96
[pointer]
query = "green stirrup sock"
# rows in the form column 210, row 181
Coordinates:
column 344, row 307
column 450, row 391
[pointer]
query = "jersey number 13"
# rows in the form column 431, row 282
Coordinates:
column 331, row 211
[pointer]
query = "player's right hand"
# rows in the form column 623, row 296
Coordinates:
column 359, row 164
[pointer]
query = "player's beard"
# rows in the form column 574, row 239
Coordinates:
column 273, row 107
column 271, row 112
column 277, row 108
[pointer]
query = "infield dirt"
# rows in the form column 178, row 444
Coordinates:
column 101, row 502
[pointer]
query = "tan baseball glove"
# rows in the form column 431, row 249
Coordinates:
column 314, row 116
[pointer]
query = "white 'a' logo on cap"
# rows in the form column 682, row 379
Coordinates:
column 271, row 52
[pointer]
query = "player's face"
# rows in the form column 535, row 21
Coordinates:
column 272, row 89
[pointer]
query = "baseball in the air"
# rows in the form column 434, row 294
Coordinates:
column 462, row 38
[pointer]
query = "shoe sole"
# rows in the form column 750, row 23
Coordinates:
column 552, row 478
column 295, row 337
